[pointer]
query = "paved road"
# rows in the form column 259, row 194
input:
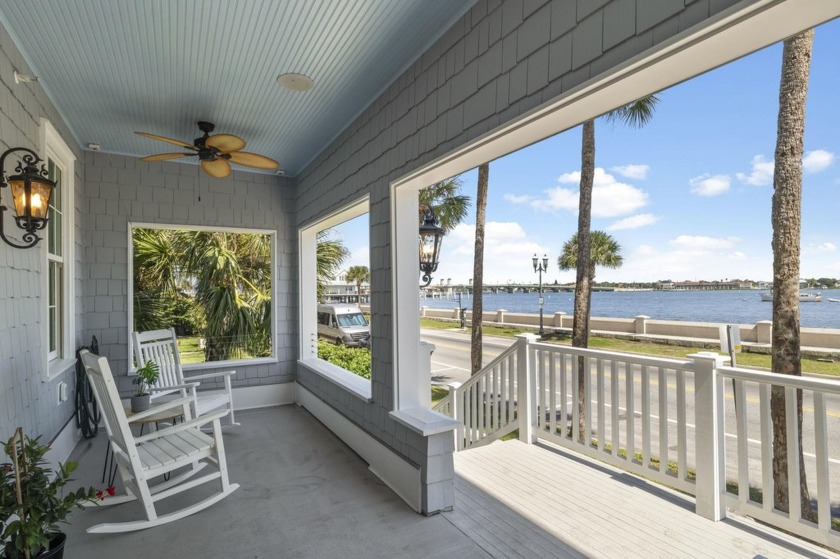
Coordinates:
column 451, row 362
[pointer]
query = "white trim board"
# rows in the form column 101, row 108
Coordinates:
column 263, row 396
column 398, row 474
column 63, row 444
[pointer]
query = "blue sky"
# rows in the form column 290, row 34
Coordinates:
column 688, row 196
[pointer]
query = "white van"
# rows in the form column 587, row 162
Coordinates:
column 343, row 325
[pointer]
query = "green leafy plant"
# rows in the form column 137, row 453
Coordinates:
column 147, row 376
column 30, row 521
column 355, row 360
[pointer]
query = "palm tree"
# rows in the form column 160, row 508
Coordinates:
column 358, row 275
column 478, row 267
column 449, row 204
column 786, row 219
column 330, row 254
column 604, row 251
column 635, row 114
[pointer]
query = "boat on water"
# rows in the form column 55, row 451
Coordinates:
column 830, row 300
column 803, row 297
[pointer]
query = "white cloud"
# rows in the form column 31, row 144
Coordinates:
column 518, row 198
column 762, row 169
column 761, row 174
column 633, row 222
column 822, row 248
column 610, row 198
column 709, row 185
column 699, row 242
column 827, row 247
column 737, row 255
column 638, row 172
column 817, row 160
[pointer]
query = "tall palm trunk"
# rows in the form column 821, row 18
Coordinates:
column 583, row 289
column 786, row 220
column 478, row 267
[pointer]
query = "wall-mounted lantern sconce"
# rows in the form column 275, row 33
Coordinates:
column 430, row 238
column 31, row 192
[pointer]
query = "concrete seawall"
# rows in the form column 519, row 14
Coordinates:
column 754, row 337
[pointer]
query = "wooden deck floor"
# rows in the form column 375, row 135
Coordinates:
column 518, row 500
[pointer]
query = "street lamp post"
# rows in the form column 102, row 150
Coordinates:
column 540, row 267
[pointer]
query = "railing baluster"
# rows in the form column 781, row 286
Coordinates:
column 614, row 405
column 564, row 394
column 497, row 383
column 645, row 417
column 504, row 404
column 630, row 412
column 552, row 386
column 821, row 452
column 540, row 377
column 682, row 436
column 766, row 422
column 794, row 497
column 587, row 394
column 575, row 419
column 743, row 442
column 601, row 396
column 482, row 404
column 512, row 364
column 662, row 378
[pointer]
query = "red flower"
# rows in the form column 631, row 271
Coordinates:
column 110, row 491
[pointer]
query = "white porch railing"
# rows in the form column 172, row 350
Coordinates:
column 753, row 493
column 638, row 415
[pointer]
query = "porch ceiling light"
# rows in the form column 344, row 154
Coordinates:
column 31, row 191
column 430, row 238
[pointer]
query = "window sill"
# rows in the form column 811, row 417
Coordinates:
column 352, row 383
column 424, row 421
column 231, row 364
column 58, row 367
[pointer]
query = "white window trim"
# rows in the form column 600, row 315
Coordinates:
column 212, row 364
column 54, row 147
column 308, row 301
column 733, row 33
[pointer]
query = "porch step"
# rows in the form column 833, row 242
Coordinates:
column 519, row 500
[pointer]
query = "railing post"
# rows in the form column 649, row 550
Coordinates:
column 455, row 413
column 709, row 436
column 525, row 381
column 425, row 366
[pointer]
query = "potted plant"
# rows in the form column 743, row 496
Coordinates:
column 147, row 376
column 33, row 503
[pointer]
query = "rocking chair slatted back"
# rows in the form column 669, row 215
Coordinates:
column 156, row 345
column 108, row 397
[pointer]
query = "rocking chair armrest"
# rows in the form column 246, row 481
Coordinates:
column 187, row 385
column 191, row 424
column 156, row 409
column 188, row 378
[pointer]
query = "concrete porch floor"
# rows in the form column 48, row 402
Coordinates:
column 305, row 494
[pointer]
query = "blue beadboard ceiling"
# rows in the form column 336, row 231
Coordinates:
column 116, row 66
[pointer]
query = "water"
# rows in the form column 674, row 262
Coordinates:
column 736, row 307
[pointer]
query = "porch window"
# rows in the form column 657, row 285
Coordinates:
column 59, row 248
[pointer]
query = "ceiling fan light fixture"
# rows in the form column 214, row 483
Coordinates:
column 295, row 82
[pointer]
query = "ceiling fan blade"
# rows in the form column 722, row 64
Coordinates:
column 168, row 140
column 165, row 156
column 218, row 168
column 253, row 160
column 225, row 143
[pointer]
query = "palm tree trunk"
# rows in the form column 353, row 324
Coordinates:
column 478, row 266
column 786, row 219
column 583, row 287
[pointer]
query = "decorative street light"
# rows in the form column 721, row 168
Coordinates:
column 430, row 238
column 31, row 191
column 540, row 267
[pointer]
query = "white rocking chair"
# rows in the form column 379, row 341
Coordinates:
column 161, row 347
column 140, row 459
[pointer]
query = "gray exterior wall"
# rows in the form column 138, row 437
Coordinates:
column 122, row 190
column 26, row 400
column 499, row 61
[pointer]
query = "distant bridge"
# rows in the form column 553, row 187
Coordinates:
column 510, row 288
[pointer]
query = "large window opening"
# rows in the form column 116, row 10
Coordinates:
column 213, row 286
column 335, row 298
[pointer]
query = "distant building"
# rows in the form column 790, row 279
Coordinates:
column 340, row 291
column 704, row 285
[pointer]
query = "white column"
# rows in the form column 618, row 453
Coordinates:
column 525, row 387
column 709, row 436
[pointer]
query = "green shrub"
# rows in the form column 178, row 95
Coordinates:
column 354, row 359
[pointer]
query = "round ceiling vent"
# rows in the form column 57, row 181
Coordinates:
column 295, row 82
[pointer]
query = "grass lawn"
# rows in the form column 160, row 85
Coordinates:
column 190, row 350
column 756, row 360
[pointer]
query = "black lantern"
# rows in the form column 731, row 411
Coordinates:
column 31, row 192
column 541, row 267
column 430, row 238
